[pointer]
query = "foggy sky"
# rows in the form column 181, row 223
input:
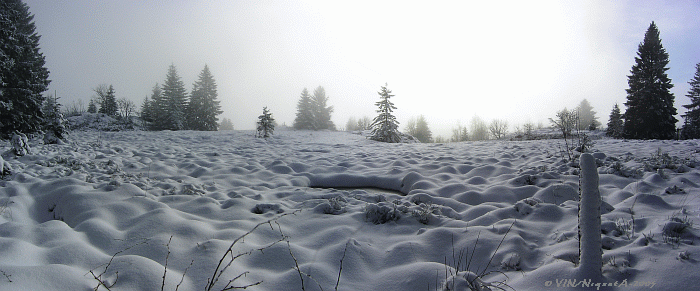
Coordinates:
column 448, row 60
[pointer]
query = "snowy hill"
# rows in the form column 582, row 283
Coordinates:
column 125, row 209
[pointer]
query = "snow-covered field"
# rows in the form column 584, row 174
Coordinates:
column 120, row 206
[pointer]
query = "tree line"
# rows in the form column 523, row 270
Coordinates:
column 171, row 108
column 649, row 114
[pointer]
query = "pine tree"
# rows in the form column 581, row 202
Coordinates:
column 158, row 110
column 92, row 108
column 146, row 112
column 175, row 97
column 226, row 124
column 266, row 124
column 423, row 133
column 23, row 77
column 691, row 125
column 586, row 115
column 203, row 108
column 321, row 110
column 615, row 124
column 54, row 123
column 109, row 106
column 305, row 113
column 384, row 126
column 650, row 110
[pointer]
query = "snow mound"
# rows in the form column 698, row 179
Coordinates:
column 398, row 216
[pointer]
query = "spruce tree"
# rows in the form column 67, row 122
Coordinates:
column 203, row 108
column 54, row 123
column 175, row 97
column 266, row 124
column 586, row 115
column 423, row 133
column 226, row 124
column 109, row 106
column 650, row 110
column 305, row 113
column 23, row 77
column 321, row 110
column 157, row 110
column 615, row 124
column 146, row 113
column 92, row 108
column 384, row 126
column 691, row 125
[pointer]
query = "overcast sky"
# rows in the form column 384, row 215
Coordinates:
column 448, row 60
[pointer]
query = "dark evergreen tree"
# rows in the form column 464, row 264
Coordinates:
column 615, row 124
column 385, row 126
column 158, row 110
column 175, row 101
column 266, row 124
column 586, row 116
column 23, row 77
column 691, row 125
column 203, row 108
column 305, row 112
column 109, row 106
column 650, row 110
column 146, row 113
column 92, row 108
column 321, row 111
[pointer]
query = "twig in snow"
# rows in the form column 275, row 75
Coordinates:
column 165, row 270
column 222, row 266
column 340, row 270
column 100, row 280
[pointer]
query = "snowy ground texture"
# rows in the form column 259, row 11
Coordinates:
column 118, row 207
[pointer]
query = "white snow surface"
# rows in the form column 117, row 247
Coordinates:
column 399, row 216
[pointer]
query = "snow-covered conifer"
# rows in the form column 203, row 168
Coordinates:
column 266, row 124
column 23, row 77
column 385, row 126
column 54, row 123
